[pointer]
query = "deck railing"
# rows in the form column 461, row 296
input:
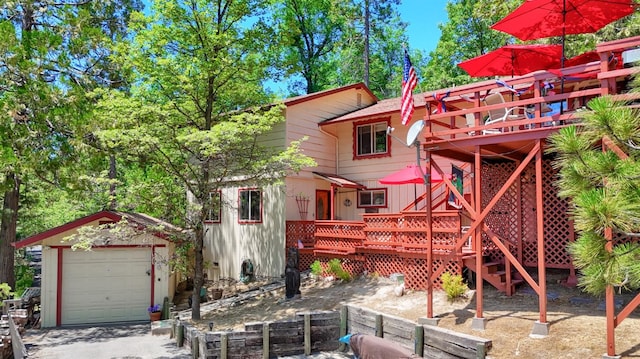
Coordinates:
column 384, row 233
column 572, row 87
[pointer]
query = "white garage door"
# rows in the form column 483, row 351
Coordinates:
column 106, row 285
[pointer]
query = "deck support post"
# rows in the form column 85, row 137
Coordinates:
column 541, row 327
column 478, row 323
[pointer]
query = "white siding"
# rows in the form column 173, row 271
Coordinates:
column 303, row 120
column 49, row 286
column 229, row 242
column 368, row 171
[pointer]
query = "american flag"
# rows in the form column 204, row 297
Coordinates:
column 409, row 82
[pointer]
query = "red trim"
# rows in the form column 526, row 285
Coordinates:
column 386, row 198
column 309, row 97
column 65, row 227
column 248, row 221
column 59, row 289
column 153, row 273
column 356, row 156
column 219, row 192
column 116, row 246
column 111, row 216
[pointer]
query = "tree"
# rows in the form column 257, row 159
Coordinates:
column 308, row 31
column 371, row 47
column 465, row 35
column 602, row 185
column 193, row 65
column 50, row 54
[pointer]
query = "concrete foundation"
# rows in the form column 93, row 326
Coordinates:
column 479, row 323
column 428, row 321
column 540, row 330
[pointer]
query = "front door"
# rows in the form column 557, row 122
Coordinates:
column 323, row 204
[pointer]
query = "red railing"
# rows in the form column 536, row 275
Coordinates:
column 580, row 84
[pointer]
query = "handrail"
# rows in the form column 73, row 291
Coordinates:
column 452, row 124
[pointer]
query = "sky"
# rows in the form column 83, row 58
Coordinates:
column 423, row 18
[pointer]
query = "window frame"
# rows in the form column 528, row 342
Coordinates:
column 371, row 123
column 240, row 211
column 372, row 191
column 208, row 220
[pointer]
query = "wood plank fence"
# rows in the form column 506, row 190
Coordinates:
column 312, row 332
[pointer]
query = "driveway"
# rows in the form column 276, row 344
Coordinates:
column 118, row 341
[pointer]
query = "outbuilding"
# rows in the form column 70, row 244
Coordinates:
column 116, row 280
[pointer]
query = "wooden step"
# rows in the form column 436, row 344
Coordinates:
column 490, row 267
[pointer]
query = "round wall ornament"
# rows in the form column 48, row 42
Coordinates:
column 347, row 202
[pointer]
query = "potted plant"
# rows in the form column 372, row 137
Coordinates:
column 155, row 312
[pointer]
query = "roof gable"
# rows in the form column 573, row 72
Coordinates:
column 312, row 96
column 142, row 220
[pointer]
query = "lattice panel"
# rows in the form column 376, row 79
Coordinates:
column 416, row 272
column 300, row 230
column 306, row 258
column 415, row 237
column 353, row 264
column 383, row 264
column 445, row 222
column 502, row 219
column 386, row 221
column 558, row 229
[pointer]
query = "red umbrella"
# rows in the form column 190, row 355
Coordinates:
column 584, row 58
column 409, row 174
column 537, row 19
column 514, row 60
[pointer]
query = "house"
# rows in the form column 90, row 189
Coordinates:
column 508, row 224
column 115, row 281
column 347, row 136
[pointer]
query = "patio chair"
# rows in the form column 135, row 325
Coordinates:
column 471, row 122
column 501, row 114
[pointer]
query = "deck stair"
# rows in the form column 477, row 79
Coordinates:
column 495, row 274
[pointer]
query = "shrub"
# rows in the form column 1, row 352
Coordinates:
column 335, row 268
column 316, row 268
column 5, row 292
column 453, row 286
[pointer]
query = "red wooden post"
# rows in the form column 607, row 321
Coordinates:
column 478, row 232
column 429, row 238
column 542, row 278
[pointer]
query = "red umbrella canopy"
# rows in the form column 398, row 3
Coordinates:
column 537, row 19
column 514, row 60
column 409, row 174
column 583, row 58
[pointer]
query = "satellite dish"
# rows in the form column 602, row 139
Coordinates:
column 414, row 131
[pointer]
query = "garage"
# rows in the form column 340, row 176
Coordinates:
column 116, row 280
column 121, row 294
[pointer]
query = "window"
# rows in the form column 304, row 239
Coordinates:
column 250, row 208
column 215, row 206
column 372, row 198
column 370, row 139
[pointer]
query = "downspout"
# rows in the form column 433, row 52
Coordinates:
column 335, row 138
column 333, row 197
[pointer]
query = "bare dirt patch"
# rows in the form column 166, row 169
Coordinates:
column 577, row 326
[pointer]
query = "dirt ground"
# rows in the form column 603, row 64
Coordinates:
column 577, row 326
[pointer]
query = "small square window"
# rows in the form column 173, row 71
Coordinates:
column 370, row 139
column 214, row 207
column 250, row 206
column 376, row 198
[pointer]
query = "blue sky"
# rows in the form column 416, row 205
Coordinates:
column 423, row 18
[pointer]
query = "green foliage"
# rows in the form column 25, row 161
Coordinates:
column 5, row 292
column 335, row 268
column 603, row 191
column 316, row 268
column 24, row 273
column 453, row 285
